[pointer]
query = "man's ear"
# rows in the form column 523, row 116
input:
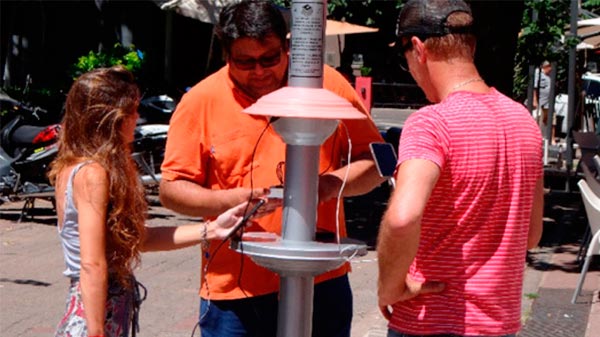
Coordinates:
column 419, row 47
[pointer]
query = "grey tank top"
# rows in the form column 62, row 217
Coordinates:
column 69, row 233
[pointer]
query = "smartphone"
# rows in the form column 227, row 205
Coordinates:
column 275, row 192
column 245, row 219
column 385, row 158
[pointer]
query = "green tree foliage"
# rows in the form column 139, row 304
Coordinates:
column 543, row 27
column 129, row 57
column 365, row 12
column 540, row 39
column 592, row 5
column 545, row 36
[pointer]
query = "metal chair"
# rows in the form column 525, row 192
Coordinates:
column 592, row 209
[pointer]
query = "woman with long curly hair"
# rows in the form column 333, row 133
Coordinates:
column 102, row 210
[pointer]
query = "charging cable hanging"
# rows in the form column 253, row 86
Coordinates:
column 340, row 199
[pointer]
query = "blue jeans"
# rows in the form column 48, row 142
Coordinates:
column 257, row 316
column 393, row 333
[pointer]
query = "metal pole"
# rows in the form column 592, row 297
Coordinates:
column 530, row 84
column 549, row 125
column 531, row 73
column 302, row 169
column 300, row 199
column 551, row 101
column 296, row 322
column 299, row 222
column 168, row 61
column 306, row 45
column 573, row 97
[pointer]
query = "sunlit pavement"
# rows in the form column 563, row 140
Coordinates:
column 33, row 290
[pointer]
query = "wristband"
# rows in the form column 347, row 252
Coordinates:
column 204, row 239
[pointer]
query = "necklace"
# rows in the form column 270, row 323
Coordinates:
column 462, row 84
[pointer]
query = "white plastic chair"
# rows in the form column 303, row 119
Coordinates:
column 594, row 185
column 592, row 209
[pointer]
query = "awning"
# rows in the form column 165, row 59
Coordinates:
column 589, row 31
column 208, row 11
column 203, row 10
column 341, row 28
column 589, row 22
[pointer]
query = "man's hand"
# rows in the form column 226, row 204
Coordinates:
column 410, row 289
column 386, row 311
column 329, row 187
column 245, row 194
column 190, row 198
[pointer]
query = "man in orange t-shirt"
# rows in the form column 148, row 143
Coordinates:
column 217, row 156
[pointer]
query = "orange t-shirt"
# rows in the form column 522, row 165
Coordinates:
column 211, row 142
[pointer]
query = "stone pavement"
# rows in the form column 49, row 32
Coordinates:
column 32, row 289
column 550, row 312
column 552, row 273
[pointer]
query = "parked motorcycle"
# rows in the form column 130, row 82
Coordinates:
column 148, row 153
column 26, row 150
column 156, row 109
column 151, row 137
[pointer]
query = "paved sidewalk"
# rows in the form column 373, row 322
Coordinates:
column 551, row 312
column 32, row 289
column 553, row 271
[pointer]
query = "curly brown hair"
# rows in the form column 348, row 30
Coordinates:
column 97, row 105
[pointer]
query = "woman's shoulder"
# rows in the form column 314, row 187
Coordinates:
column 91, row 178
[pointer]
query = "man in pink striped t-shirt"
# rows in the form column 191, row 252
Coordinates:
column 468, row 201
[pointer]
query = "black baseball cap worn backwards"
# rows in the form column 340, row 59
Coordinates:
column 428, row 18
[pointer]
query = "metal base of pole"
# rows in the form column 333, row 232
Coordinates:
column 299, row 258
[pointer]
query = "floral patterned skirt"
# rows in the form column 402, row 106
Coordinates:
column 122, row 307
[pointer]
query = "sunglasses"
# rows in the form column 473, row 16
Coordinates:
column 250, row 63
column 404, row 47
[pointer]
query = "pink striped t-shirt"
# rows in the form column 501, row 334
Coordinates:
column 475, row 226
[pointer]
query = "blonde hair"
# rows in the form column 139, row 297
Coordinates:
column 97, row 105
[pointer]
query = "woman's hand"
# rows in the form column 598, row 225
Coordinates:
column 227, row 222
column 169, row 237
